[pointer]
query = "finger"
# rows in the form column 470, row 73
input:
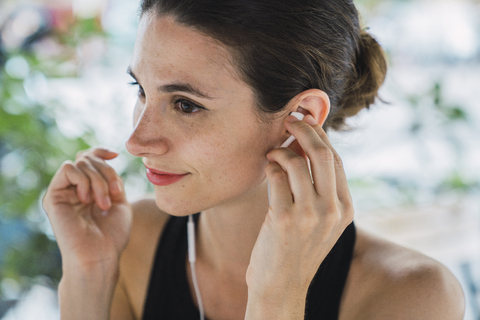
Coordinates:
column 69, row 175
column 98, row 184
column 320, row 155
column 99, row 152
column 297, row 171
column 280, row 194
column 113, row 180
column 340, row 177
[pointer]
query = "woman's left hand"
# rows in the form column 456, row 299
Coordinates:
column 304, row 220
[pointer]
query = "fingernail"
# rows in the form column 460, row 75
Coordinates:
column 310, row 120
column 292, row 119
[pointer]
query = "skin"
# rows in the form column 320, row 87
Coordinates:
column 255, row 260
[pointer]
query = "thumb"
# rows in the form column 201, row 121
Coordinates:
column 295, row 147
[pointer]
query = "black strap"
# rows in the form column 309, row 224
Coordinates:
column 168, row 295
column 325, row 292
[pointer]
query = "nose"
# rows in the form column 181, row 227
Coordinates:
column 147, row 137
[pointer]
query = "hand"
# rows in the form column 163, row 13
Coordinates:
column 304, row 220
column 89, row 213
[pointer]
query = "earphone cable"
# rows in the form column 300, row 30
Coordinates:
column 191, row 259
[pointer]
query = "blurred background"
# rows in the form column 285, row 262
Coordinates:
column 413, row 162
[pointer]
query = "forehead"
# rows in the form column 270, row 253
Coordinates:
column 168, row 50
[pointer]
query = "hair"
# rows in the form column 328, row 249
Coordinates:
column 284, row 47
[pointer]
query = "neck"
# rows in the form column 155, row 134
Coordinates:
column 227, row 233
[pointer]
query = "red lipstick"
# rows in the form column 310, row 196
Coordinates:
column 161, row 178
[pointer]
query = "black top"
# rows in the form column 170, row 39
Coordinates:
column 168, row 296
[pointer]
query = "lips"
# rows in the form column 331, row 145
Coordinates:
column 161, row 178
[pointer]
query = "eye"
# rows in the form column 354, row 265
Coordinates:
column 187, row 107
column 141, row 93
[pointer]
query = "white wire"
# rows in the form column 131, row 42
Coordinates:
column 192, row 258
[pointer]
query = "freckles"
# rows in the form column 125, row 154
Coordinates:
column 207, row 151
column 213, row 146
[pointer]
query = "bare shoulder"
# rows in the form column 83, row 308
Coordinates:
column 147, row 219
column 137, row 259
column 388, row 281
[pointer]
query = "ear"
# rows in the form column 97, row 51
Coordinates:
column 313, row 101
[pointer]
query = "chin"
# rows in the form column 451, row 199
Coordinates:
column 175, row 207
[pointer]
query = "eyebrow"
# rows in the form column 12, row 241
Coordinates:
column 177, row 87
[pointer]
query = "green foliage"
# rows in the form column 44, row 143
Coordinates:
column 431, row 105
column 31, row 150
column 459, row 183
column 29, row 259
column 451, row 113
column 31, row 138
column 85, row 28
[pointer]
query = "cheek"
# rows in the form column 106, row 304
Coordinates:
column 238, row 159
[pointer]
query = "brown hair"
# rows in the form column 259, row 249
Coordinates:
column 284, row 47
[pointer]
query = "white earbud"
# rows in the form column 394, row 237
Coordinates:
column 289, row 141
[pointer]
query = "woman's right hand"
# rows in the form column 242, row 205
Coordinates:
column 89, row 212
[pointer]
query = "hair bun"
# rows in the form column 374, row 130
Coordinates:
column 362, row 89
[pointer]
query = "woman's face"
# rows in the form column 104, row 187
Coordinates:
column 194, row 117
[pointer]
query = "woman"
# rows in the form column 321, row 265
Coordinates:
column 217, row 81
